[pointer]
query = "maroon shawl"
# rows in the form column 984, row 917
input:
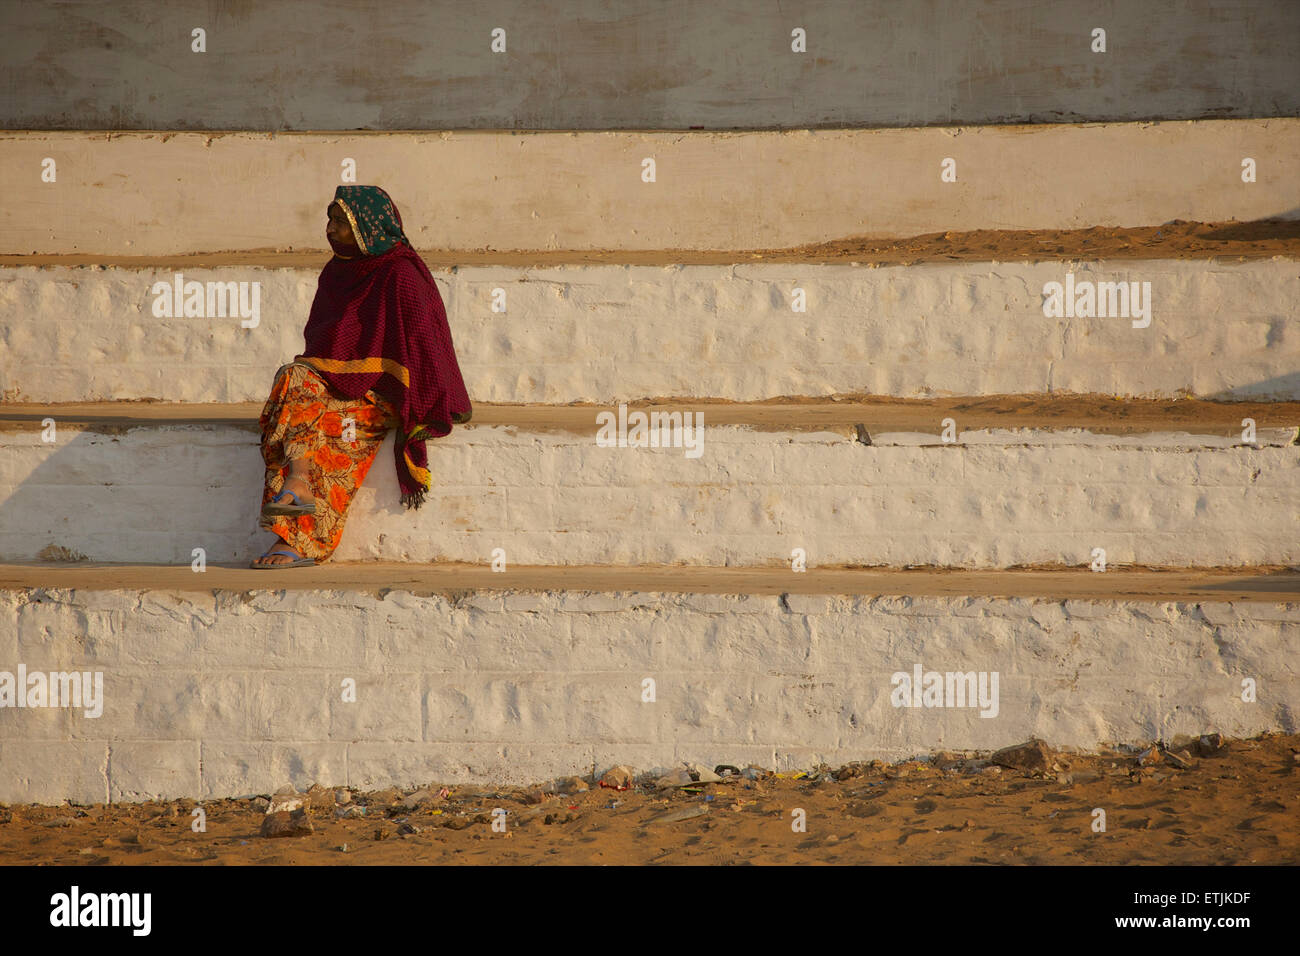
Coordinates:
column 378, row 322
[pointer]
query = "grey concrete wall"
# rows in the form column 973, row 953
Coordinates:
column 585, row 64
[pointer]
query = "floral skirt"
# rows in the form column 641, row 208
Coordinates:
column 304, row 419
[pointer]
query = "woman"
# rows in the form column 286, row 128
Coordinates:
column 378, row 355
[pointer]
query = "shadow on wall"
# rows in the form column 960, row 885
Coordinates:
column 132, row 493
column 1284, row 225
column 1273, row 582
column 1283, row 388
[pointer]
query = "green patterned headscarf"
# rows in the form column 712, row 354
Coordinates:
column 376, row 226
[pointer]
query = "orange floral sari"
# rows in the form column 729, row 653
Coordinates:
column 304, row 419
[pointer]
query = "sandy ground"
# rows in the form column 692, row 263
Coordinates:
column 1097, row 413
column 1239, row 805
column 1174, row 240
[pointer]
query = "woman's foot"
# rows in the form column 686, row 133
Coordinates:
column 270, row 560
column 294, row 498
column 300, row 488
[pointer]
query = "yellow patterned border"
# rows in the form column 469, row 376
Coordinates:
column 356, row 233
column 421, row 475
column 361, row 366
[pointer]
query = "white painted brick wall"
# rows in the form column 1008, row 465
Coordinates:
column 244, row 696
column 610, row 333
column 753, row 496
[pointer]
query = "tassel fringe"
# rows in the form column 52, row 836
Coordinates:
column 413, row 500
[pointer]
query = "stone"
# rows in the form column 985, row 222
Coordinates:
column 1032, row 756
column 687, row 776
column 342, row 796
column 284, row 823
column 349, row 813
column 675, row 816
column 285, row 800
column 261, row 804
column 319, row 798
column 909, row 767
column 419, row 799
column 571, row 785
column 680, row 777
column 532, row 796
column 618, row 778
column 701, row 774
column 383, row 798
column 947, row 761
column 1209, row 744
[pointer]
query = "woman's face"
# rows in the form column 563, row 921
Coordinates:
column 337, row 230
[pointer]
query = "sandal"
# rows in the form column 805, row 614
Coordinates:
column 288, row 552
column 271, row 509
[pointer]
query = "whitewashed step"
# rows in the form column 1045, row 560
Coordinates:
column 608, row 333
column 753, row 496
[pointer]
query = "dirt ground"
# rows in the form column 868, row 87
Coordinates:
column 1178, row 239
column 1206, row 802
